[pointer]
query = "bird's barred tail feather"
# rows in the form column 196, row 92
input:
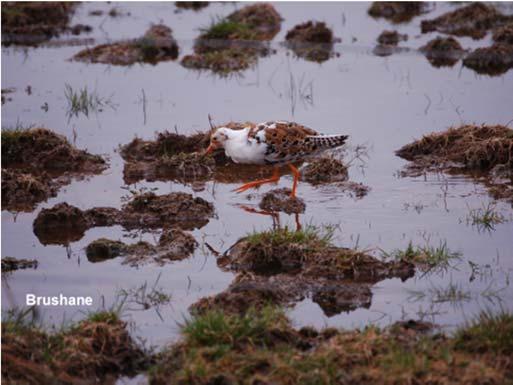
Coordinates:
column 328, row 141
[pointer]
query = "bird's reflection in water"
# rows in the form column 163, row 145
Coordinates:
column 275, row 215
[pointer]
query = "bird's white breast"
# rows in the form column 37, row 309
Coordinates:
column 242, row 149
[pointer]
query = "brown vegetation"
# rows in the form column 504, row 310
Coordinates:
column 311, row 41
column 36, row 163
column 442, row 51
column 284, row 266
column 485, row 152
column 261, row 347
column 397, row 11
column 233, row 44
column 63, row 223
column 174, row 245
column 473, row 20
column 88, row 352
column 156, row 45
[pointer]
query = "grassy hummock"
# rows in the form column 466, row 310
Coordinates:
column 262, row 347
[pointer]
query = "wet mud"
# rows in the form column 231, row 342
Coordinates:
column 262, row 347
column 234, row 43
column 504, row 34
column 284, row 267
column 279, row 200
column 173, row 245
column 312, row 41
column 397, row 11
column 32, row 23
column 482, row 152
column 443, row 51
column 64, row 223
column 36, row 163
column 11, row 264
column 391, row 38
column 191, row 5
column 473, row 20
column 494, row 60
column 155, row 46
column 88, row 352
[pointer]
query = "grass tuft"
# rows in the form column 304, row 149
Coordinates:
column 224, row 29
column 485, row 217
column 218, row 329
column 309, row 236
column 488, row 332
column 84, row 101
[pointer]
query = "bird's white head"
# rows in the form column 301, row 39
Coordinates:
column 217, row 138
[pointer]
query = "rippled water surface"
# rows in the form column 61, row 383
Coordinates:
column 382, row 103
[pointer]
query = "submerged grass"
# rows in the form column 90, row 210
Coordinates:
column 84, row 101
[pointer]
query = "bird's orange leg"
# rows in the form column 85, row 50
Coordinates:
column 297, row 175
column 274, row 179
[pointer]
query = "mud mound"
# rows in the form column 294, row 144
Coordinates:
column 149, row 210
column 324, row 170
column 194, row 5
column 173, row 245
column 63, row 223
column 493, row 61
column 397, row 12
column 475, row 150
column 155, row 46
column 23, row 191
column 11, row 264
column 284, row 267
column 39, row 149
column 443, row 52
column 34, row 22
column 504, row 34
column 181, row 158
column 472, row 20
column 36, row 163
column 280, row 200
column 92, row 349
column 311, row 41
column 234, row 43
column 391, row 38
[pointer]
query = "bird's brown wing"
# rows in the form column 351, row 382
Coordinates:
column 286, row 141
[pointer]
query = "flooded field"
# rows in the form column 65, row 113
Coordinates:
column 185, row 214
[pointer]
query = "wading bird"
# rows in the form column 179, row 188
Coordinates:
column 273, row 143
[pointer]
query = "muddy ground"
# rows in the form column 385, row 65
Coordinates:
column 282, row 266
column 37, row 162
column 64, row 223
column 234, row 43
column 262, row 347
column 31, row 23
column 312, row 41
column 173, row 245
column 443, row 51
column 95, row 349
column 482, row 152
column 473, row 20
column 397, row 11
column 156, row 45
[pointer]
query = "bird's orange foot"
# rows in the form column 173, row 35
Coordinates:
column 250, row 185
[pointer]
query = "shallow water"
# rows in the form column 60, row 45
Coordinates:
column 382, row 103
